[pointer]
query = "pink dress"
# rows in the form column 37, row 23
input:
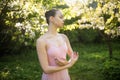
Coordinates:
column 52, row 52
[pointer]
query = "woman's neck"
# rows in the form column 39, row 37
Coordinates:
column 52, row 29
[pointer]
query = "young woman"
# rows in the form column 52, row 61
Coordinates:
column 53, row 47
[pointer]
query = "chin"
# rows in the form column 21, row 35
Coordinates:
column 60, row 26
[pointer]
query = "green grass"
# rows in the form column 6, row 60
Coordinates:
column 25, row 66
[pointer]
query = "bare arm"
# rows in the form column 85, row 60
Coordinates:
column 73, row 55
column 42, row 56
column 70, row 51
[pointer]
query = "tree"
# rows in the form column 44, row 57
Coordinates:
column 105, row 17
column 22, row 22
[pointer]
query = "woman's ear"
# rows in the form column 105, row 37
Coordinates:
column 51, row 19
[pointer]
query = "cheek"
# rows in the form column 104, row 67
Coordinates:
column 57, row 21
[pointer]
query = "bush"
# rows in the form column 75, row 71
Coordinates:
column 81, row 35
column 88, row 35
column 111, row 70
column 72, row 35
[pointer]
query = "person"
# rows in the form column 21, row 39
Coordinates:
column 53, row 47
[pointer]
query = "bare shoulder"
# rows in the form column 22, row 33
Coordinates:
column 41, row 40
column 64, row 36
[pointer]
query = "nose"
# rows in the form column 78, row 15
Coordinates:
column 63, row 20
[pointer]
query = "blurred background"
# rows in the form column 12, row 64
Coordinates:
column 92, row 26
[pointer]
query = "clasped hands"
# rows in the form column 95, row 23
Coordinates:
column 63, row 62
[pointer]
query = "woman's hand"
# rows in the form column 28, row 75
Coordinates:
column 71, row 62
column 61, row 61
column 74, row 58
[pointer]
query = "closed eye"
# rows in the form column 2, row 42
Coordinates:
column 61, row 17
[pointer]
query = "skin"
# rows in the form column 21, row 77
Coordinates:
column 52, row 35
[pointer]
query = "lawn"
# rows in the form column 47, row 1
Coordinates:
column 25, row 66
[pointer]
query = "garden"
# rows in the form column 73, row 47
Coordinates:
column 92, row 26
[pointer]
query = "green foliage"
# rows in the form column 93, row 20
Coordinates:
column 22, row 22
column 111, row 70
column 13, row 67
column 104, row 17
column 88, row 35
column 72, row 35
column 25, row 66
column 82, row 36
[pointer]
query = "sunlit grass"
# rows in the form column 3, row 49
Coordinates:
column 25, row 66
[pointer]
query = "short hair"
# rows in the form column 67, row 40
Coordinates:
column 49, row 13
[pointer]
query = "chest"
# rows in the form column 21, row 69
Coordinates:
column 56, row 47
column 55, row 41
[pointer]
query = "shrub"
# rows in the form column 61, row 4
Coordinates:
column 87, row 35
column 81, row 35
column 111, row 70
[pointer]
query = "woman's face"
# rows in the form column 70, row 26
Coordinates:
column 58, row 19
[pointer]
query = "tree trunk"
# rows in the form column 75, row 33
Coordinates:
column 109, row 47
column 108, row 41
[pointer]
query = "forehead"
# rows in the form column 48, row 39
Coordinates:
column 59, row 13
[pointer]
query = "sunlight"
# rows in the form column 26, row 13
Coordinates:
column 72, row 2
